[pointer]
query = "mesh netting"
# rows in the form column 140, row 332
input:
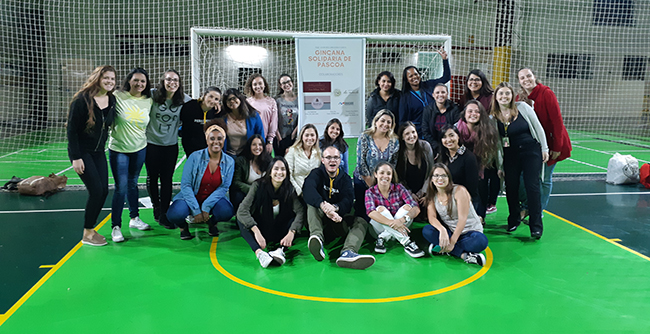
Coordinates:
column 592, row 53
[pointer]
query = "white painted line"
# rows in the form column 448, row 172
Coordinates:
column 584, row 163
column 41, row 151
column 32, row 162
column 50, row 211
column 65, row 170
column 6, row 155
column 602, row 194
column 178, row 164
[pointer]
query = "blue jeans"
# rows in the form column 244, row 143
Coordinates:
column 470, row 242
column 126, row 169
column 221, row 212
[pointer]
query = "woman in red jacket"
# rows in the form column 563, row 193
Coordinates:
column 545, row 104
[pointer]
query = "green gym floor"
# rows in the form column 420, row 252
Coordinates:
column 588, row 273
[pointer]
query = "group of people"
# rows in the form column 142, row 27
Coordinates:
column 247, row 158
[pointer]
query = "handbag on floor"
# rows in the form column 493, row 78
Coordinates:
column 41, row 185
column 622, row 169
column 644, row 175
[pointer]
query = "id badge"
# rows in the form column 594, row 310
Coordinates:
column 506, row 142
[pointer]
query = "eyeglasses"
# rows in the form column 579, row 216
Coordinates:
column 171, row 79
column 335, row 158
column 439, row 176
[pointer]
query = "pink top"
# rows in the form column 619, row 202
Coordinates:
column 268, row 109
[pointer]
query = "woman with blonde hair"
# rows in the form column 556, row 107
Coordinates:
column 303, row 156
column 376, row 144
column 524, row 150
column 92, row 111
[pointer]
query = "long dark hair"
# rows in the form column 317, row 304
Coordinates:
column 443, row 157
column 266, row 193
column 126, row 85
column 245, row 108
column 248, row 87
column 263, row 159
column 402, row 154
column 432, row 190
column 486, row 88
column 337, row 142
column 406, row 86
column 160, row 95
column 90, row 89
column 487, row 138
column 394, row 178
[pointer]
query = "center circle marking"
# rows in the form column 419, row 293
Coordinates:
column 480, row 273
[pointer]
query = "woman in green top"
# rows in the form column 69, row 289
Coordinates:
column 127, row 147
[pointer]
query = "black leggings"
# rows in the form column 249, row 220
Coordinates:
column 488, row 189
column 526, row 159
column 272, row 232
column 95, row 177
column 160, row 162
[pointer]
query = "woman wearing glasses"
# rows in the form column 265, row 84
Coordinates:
column 287, row 102
column 162, row 142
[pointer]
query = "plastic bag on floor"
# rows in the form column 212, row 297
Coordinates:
column 622, row 169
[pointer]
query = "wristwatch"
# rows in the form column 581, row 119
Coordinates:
column 407, row 219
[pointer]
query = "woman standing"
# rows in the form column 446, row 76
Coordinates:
column 462, row 233
column 385, row 96
column 91, row 114
column 477, row 87
column 548, row 112
column 414, row 161
column 249, row 167
column 333, row 136
column 391, row 209
column 287, row 116
column 303, row 156
column 257, row 90
column 194, row 115
column 162, row 142
column 379, row 143
column 479, row 134
column 207, row 175
column 524, row 150
column 438, row 114
column 271, row 213
column 128, row 147
column 460, row 161
column 242, row 120
column 416, row 94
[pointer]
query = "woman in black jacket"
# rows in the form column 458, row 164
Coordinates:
column 434, row 116
column 91, row 113
column 385, row 96
column 271, row 213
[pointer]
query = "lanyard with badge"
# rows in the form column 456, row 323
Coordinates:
column 506, row 139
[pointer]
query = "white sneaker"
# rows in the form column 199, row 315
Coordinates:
column 265, row 258
column 278, row 255
column 139, row 224
column 189, row 219
column 116, row 234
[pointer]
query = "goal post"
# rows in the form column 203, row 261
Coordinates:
column 214, row 63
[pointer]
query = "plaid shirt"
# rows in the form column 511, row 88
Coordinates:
column 397, row 197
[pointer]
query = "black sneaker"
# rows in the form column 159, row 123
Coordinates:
column 156, row 213
column 164, row 222
column 186, row 235
column 413, row 250
column 475, row 258
column 213, row 231
column 380, row 246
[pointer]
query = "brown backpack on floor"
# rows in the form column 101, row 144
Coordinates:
column 41, row 185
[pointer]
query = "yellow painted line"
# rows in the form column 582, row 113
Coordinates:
column 615, row 240
column 49, row 274
column 47, row 266
column 215, row 263
column 611, row 241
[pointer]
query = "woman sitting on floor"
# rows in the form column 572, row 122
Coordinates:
column 249, row 167
column 270, row 213
column 391, row 209
column 460, row 233
column 206, row 178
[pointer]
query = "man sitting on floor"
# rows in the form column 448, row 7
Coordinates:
column 329, row 195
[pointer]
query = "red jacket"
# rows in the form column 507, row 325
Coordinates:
column 548, row 111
